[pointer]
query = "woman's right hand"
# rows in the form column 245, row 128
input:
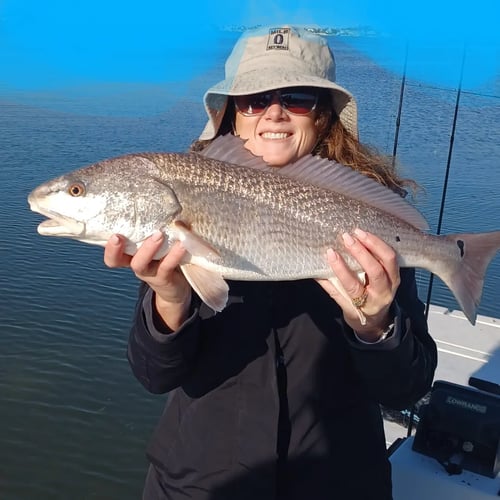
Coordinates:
column 172, row 291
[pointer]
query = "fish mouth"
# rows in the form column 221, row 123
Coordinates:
column 56, row 224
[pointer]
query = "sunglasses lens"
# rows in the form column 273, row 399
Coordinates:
column 297, row 101
column 254, row 104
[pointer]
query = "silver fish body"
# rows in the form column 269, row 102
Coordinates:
column 253, row 222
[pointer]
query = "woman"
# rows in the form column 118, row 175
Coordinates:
column 278, row 395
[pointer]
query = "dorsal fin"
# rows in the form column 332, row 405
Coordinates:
column 323, row 173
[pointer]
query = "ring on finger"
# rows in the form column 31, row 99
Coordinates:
column 360, row 301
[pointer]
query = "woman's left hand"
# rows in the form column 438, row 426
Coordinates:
column 379, row 261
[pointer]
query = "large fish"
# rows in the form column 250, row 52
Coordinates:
column 241, row 219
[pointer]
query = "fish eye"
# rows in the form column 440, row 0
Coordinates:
column 76, row 189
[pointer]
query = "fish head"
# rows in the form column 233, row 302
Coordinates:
column 123, row 195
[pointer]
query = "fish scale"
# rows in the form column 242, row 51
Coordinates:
column 265, row 228
column 267, row 220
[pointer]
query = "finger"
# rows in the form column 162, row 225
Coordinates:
column 344, row 288
column 172, row 260
column 142, row 261
column 377, row 246
column 382, row 252
column 357, row 316
column 113, row 252
column 375, row 270
column 349, row 280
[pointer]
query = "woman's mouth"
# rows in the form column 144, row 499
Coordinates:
column 275, row 135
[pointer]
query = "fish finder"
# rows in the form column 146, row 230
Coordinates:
column 460, row 428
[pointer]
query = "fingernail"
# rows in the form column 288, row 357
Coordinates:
column 348, row 239
column 157, row 236
column 114, row 240
column 360, row 233
column 331, row 254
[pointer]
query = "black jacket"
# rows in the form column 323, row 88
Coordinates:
column 274, row 397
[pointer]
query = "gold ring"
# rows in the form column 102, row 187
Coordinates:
column 360, row 301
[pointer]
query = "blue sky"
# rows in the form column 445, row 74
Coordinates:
column 58, row 43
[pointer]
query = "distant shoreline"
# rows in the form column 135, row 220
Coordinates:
column 349, row 31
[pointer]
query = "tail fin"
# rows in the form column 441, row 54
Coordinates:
column 467, row 279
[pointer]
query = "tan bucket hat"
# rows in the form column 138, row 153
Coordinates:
column 273, row 58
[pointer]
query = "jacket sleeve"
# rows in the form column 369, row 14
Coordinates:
column 400, row 370
column 160, row 359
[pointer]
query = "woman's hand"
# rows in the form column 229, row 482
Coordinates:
column 172, row 291
column 379, row 261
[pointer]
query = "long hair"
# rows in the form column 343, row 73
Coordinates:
column 335, row 143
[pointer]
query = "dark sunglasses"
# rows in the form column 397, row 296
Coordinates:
column 295, row 100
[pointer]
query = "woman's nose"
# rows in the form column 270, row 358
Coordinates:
column 275, row 110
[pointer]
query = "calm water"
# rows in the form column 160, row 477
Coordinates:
column 73, row 421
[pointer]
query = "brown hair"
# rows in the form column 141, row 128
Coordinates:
column 335, row 143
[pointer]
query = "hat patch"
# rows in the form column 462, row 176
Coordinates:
column 278, row 39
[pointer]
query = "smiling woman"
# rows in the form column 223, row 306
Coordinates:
column 277, row 396
column 280, row 125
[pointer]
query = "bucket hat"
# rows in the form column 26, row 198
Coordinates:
column 272, row 58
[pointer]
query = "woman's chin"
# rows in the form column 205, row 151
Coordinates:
column 278, row 157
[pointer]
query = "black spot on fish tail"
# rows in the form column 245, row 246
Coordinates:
column 398, row 239
column 465, row 278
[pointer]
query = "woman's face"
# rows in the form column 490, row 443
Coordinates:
column 279, row 136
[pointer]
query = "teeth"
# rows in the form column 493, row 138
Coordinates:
column 274, row 135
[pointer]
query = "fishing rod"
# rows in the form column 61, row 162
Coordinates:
column 413, row 410
column 400, row 108
column 447, row 174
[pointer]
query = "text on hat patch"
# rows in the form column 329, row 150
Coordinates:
column 278, row 39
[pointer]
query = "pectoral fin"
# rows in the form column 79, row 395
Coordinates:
column 193, row 243
column 210, row 286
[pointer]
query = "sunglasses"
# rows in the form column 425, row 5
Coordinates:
column 295, row 100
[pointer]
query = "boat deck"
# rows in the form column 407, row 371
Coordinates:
column 464, row 351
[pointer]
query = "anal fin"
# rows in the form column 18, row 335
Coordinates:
column 338, row 285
